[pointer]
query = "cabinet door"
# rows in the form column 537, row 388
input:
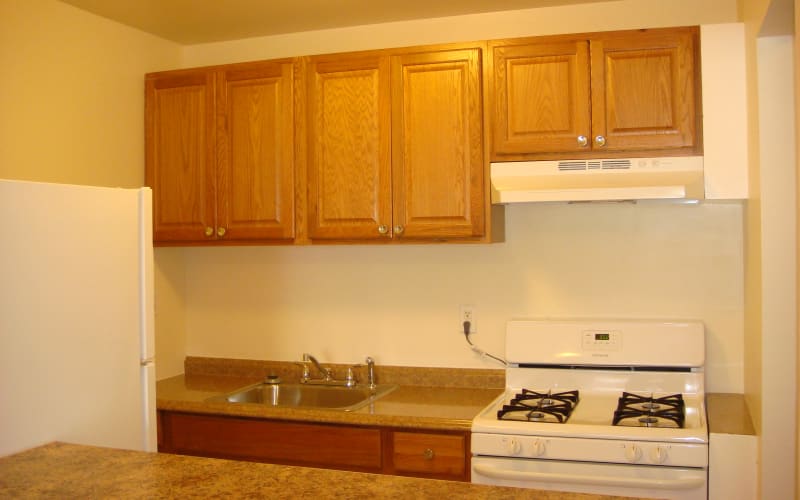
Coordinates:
column 443, row 456
column 643, row 90
column 541, row 97
column 293, row 443
column 349, row 169
column 255, row 198
column 437, row 144
column 179, row 156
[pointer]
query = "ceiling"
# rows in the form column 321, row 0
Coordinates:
column 199, row 21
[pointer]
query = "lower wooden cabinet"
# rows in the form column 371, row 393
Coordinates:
column 432, row 454
column 426, row 454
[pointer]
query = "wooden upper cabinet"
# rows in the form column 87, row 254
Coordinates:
column 541, row 95
column 179, row 158
column 256, row 152
column 644, row 90
column 220, row 153
column 602, row 94
column 395, row 146
column 349, row 154
column 437, row 145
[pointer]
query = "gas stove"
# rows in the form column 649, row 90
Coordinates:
column 608, row 407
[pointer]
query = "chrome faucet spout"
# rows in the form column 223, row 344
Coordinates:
column 326, row 373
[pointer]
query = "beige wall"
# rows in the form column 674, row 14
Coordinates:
column 71, row 101
column 770, row 326
column 612, row 15
column 778, row 250
column 400, row 304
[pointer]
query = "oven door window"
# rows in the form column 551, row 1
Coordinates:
column 674, row 483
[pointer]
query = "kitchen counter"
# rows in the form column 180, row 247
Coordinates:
column 60, row 470
column 728, row 414
column 448, row 401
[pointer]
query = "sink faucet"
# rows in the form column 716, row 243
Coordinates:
column 371, row 373
column 326, row 373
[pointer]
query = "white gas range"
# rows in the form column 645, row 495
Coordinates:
column 608, row 407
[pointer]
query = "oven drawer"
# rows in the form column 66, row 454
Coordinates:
column 673, row 483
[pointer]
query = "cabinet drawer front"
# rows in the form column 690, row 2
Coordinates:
column 352, row 448
column 429, row 453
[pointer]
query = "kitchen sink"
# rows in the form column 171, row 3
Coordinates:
column 307, row 396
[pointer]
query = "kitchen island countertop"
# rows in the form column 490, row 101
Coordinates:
column 60, row 470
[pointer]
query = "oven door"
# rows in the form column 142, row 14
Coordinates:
column 645, row 481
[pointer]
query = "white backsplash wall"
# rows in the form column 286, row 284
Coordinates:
column 400, row 303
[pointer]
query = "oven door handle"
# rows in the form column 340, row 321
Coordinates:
column 683, row 483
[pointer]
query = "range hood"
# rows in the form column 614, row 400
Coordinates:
column 618, row 179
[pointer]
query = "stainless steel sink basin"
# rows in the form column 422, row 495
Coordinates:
column 306, row 396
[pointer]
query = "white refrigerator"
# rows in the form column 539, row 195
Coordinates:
column 76, row 316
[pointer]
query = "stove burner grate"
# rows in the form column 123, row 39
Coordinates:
column 648, row 411
column 535, row 406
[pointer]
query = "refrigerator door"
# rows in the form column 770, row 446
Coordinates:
column 75, row 313
column 147, row 325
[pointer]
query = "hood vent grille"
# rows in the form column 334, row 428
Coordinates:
column 572, row 165
column 614, row 179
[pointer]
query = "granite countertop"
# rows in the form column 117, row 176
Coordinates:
column 60, row 470
column 728, row 414
column 429, row 398
column 443, row 399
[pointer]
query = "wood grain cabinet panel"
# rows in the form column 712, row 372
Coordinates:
column 432, row 454
column 541, row 97
column 291, row 443
column 643, row 90
column 180, row 154
column 220, row 152
column 594, row 95
column 349, row 170
column 435, row 455
column 395, row 146
column 437, row 145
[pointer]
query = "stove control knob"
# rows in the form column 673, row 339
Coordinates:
column 633, row 453
column 658, row 455
column 513, row 446
column 538, row 448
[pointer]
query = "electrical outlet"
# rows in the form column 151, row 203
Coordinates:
column 467, row 313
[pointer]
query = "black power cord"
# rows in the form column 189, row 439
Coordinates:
column 478, row 350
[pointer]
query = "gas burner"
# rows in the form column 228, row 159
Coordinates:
column 533, row 406
column 648, row 411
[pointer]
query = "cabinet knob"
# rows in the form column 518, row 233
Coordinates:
column 398, row 229
column 209, row 231
column 220, row 232
column 428, row 454
column 600, row 140
column 583, row 141
column 383, row 229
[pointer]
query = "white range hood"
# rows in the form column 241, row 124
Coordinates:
column 670, row 178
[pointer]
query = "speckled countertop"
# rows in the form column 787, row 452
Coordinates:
column 432, row 398
column 428, row 398
column 59, row 470
column 728, row 414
